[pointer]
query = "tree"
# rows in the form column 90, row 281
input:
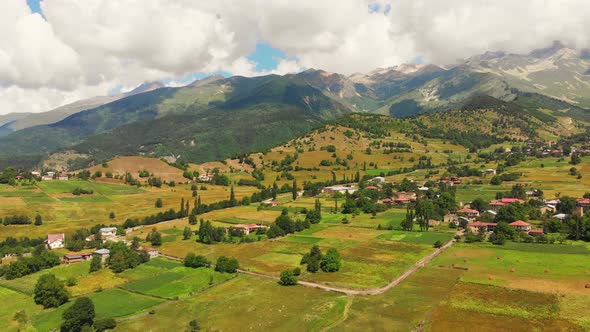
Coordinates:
column 80, row 314
column 424, row 212
column 38, row 220
column 575, row 159
column 95, row 263
column 193, row 326
column 232, row 197
column 159, row 203
column 112, row 215
column 275, row 190
column 287, row 278
column 566, row 205
column 50, row 292
column 226, row 264
column 438, row 244
column 192, row 219
column 105, row 324
column 195, row 261
column 294, row 190
column 331, row 261
column 312, row 259
column 186, row 234
column 479, row 204
column 408, row 223
column 156, row 238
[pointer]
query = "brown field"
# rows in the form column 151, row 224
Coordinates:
column 134, row 165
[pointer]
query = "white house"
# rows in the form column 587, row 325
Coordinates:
column 108, row 231
column 55, row 241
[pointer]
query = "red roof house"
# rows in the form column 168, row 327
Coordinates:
column 55, row 241
column 521, row 225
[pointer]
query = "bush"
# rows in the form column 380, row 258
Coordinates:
column 105, row 324
column 330, row 262
column 297, row 271
column 438, row 244
column 195, row 261
column 226, row 265
column 287, row 279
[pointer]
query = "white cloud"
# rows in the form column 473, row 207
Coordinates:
column 90, row 47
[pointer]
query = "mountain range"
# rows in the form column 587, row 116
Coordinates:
column 216, row 117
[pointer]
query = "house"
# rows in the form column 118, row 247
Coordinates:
column 471, row 213
column 68, row 259
column 533, row 193
column 536, row 232
column 332, row 190
column 520, row 225
column 269, row 203
column 510, row 200
column 62, row 176
column 387, row 201
column 108, row 231
column 560, row 216
column 205, row 178
column 152, row 252
column 548, row 208
column 102, row 253
column 378, row 179
column 404, row 194
column 495, row 205
column 582, row 204
column 35, row 173
column 478, row 226
column 248, row 228
column 48, row 176
column 55, row 241
column 423, row 188
column 372, row 188
column 402, row 200
column 489, row 171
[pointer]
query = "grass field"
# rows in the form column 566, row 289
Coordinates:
column 247, row 303
column 178, row 282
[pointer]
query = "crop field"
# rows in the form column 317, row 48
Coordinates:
column 63, row 212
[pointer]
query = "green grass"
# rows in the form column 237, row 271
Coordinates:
column 112, row 303
column 248, row 304
column 301, row 239
column 54, row 187
column 13, row 301
column 178, row 282
column 416, row 237
column 27, row 283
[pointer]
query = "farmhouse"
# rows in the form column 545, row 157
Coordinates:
column 478, row 226
column 520, row 225
column 62, row 176
column 55, row 241
column 69, row 259
column 333, row 190
column 402, row 200
column 582, row 204
column 470, row 213
column 102, row 253
column 248, row 228
column 108, row 231
column 536, row 232
column 48, row 176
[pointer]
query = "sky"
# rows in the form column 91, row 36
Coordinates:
column 54, row 52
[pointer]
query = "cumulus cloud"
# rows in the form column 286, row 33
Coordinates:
column 89, row 47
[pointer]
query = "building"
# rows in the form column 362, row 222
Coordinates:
column 332, row 190
column 489, row 171
column 536, row 232
column 372, row 188
column 69, row 259
column 510, row 200
column 152, row 252
column 62, row 176
column 520, row 225
column 108, row 231
column 478, row 226
column 402, row 201
column 55, row 241
column 470, row 213
column 102, row 253
column 379, row 179
column 560, row 216
column 248, row 228
column 48, row 176
column 583, row 204
column 387, row 201
column 495, row 205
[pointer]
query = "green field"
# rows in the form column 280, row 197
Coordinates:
column 178, row 282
